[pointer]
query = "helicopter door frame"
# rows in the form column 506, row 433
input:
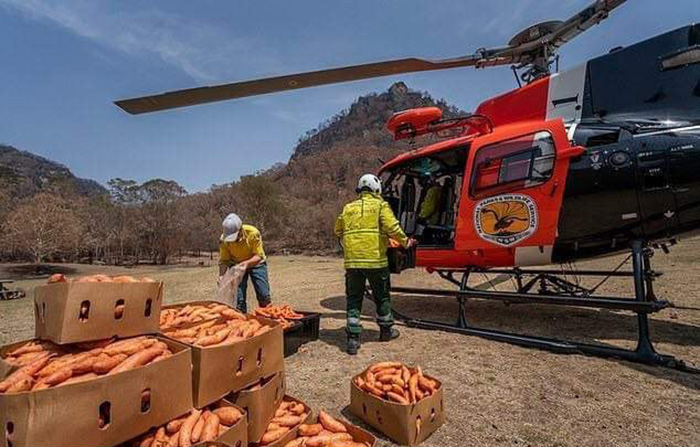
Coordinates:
column 513, row 191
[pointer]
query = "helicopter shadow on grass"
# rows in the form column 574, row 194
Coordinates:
column 603, row 327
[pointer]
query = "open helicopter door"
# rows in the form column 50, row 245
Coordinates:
column 511, row 203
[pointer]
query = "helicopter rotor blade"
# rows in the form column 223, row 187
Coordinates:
column 527, row 46
column 202, row 95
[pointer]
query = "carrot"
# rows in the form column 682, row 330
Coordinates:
column 412, row 385
column 330, row 423
column 187, row 426
column 384, row 365
column 104, row 363
column 211, row 428
column 140, row 358
column 228, row 415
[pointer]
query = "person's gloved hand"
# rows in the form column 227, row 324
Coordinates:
column 411, row 242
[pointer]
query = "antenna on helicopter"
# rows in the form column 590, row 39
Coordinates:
column 531, row 51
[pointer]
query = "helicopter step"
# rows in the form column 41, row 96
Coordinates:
column 643, row 304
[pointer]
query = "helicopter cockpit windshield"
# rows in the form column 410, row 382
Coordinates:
column 424, row 194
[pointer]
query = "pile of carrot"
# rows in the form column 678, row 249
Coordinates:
column 43, row 365
column 209, row 325
column 197, row 426
column 396, row 382
column 289, row 414
column 186, row 316
column 282, row 313
column 59, row 277
column 327, row 432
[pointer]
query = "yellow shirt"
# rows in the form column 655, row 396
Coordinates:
column 249, row 244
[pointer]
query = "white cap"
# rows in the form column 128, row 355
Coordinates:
column 232, row 225
column 371, row 182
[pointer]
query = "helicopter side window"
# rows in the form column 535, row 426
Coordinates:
column 514, row 164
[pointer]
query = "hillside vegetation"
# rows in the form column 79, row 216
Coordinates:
column 294, row 204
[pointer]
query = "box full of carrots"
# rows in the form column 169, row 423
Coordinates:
column 230, row 350
column 399, row 401
column 95, row 394
column 96, row 307
column 260, row 401
column 222, row 423
column 326, row 431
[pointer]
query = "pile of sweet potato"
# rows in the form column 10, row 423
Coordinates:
column 281, row 313
column 396, row 382
column 59, row 277
column 209, row 325
column 327, row 432
column 197, row 426
column 289, row 414
column 43, row 365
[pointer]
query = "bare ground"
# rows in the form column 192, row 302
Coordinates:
column 496, row 394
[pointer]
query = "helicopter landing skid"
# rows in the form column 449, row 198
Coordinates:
column 643, row 304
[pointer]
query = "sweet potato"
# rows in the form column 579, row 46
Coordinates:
column 211, row 428
column 297, row 409
column 412, row 385
column 24, row 383
column 174, row 426
column 56, row 278
column 147, row 441
column 398, row 398
column 174, row 439
column 287, row 421
column 28, row 370
column 310, row 429
column 78, row 379
column 59, row 376
column 199, row 427
column 298, row 442
column 187, row 426
column 228, row 415
column 330, row 423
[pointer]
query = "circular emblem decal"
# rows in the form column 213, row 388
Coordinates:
column 506, row 219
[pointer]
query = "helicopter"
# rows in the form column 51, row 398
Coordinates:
column 588, row 162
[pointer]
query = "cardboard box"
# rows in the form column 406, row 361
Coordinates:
column 399, row 422
column 260, row 404
column 67, row 416
column 77, row 312
column 358, row 434
column 219, row 370
column 235, row 436
column 294, row 432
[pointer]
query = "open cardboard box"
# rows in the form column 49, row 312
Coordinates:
column 67, row 416
column 76, row 312
column 235, row 436
column 260, row 403
column 219, row 370
column 399, row 422
column 291, row 434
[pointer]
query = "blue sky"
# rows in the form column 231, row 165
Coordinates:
column 63, row 62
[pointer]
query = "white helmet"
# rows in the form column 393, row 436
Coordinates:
column 370, row 181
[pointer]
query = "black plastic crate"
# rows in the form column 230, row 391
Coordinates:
column 303, row 331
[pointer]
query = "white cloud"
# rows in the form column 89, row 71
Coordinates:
column 200, row 50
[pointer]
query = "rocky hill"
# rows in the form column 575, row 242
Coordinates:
column 27, row 174
column 364, row 122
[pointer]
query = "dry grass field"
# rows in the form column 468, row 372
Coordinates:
column 497, row 394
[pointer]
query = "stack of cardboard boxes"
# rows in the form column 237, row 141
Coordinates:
column 149, row 405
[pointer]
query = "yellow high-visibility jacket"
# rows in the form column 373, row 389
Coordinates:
column 430, row 210
column 365, row 226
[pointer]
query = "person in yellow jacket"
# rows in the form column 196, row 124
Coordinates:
column 364, row 227
column 241, row 245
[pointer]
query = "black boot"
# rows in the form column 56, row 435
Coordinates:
column 388, row 333
column 353, row 344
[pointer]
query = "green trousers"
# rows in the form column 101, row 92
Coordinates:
column 355, row 280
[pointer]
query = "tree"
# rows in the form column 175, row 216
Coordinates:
column 161, row 226
column 44, row 226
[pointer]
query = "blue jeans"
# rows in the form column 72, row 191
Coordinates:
column 261, row 284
